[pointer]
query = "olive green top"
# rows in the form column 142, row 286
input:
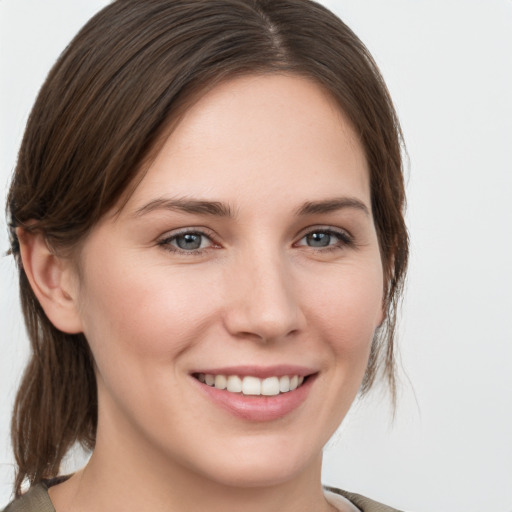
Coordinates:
column 38, row 500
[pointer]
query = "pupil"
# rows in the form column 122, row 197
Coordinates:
column 189, row 241
column 319, row 239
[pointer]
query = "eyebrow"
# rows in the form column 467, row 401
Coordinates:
column 213, row 208
column 332, row 205
column 218, row 209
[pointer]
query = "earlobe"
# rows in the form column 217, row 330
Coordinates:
column 51, row 279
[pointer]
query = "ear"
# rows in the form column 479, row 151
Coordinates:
column 53, row 281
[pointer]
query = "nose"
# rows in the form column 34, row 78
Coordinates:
column 264, row 303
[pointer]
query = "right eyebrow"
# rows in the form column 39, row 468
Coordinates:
column 210, row 208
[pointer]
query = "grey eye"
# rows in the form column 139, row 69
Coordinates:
column 326, row 239
column 189, row 241
column 318, row 239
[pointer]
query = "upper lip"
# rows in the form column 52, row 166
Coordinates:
column 258, row 371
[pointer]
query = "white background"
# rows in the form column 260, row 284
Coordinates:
column 448, row 64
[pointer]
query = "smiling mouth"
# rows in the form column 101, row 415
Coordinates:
column 252, row 386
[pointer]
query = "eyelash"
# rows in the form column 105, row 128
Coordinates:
column 166, row 243
column 344, row 240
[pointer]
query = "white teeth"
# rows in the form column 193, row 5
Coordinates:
column 249, row 385
column 270, row 386
column 234, row 384
column 284, row 384
column 221, row 382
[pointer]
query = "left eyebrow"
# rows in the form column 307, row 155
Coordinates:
column 332, row 205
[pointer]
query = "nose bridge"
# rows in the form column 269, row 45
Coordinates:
column 264, row 303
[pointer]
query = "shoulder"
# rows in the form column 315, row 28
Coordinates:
column 36, row 499
column 362, row 503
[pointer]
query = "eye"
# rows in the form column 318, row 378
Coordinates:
column 186, row 242
column 325, row 238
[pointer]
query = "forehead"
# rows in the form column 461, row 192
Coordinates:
column 271, row 128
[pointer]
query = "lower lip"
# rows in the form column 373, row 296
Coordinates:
column 258, row 408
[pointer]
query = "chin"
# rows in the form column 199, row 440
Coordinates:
column 261, row 462
column 260, row 473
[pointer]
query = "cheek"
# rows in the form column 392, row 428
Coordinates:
column 152, row 313
column 348, row 311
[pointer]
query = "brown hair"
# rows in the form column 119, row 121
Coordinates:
column 106, row 103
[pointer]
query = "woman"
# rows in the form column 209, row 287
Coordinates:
column 207, row 213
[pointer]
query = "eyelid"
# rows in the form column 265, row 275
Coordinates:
column 165, row 240
column 345, row 238
column 344, row 233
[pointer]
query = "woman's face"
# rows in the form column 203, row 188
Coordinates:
column 247, row 254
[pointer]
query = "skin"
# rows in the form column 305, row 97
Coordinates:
column 256, row 292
